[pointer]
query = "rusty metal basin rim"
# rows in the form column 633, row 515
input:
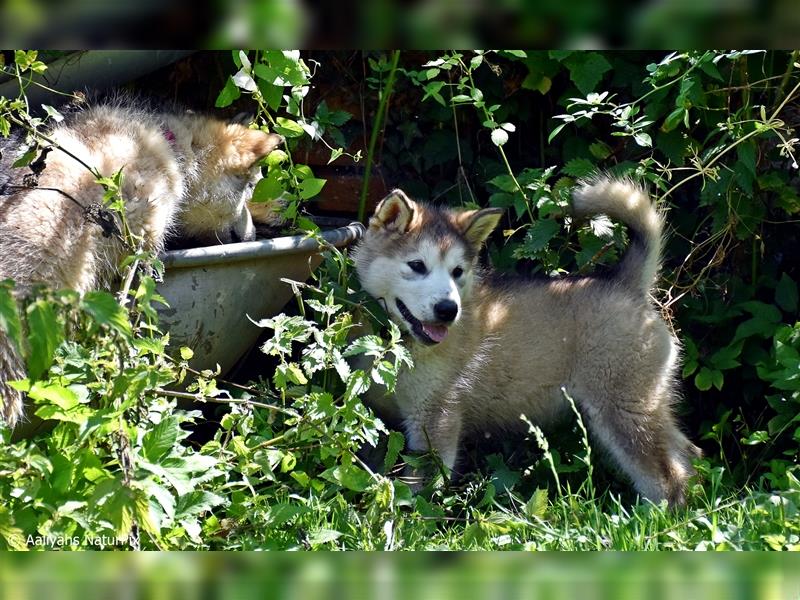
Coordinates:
column 244, row 251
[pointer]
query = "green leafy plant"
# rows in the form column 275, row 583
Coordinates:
column 278, row 81
column 145, row 452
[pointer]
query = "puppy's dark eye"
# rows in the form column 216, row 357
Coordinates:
column 417, row 266
column 458, row 272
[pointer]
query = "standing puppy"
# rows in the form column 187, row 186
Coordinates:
column 487, row 349
column 182, row 173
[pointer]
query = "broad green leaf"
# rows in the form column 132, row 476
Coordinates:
column 9, row 317
column 228, row 94
column 62, row 397
column 726, row 358
column 673, row 119
column 284, row 512
column 394, row 445
column 311, row 187
column 536, row 507
column 643, row 139
column 753, row 327
column 762, row 310
column 323, row 536
column 26, row 158
column 268, row 188
column 704, row 379
column 747, row 156
column 104, row 309
column 289, row 128
column 44, row 336
column 785, row 294
column 350, row 477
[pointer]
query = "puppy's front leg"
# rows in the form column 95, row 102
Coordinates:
column 438, row 429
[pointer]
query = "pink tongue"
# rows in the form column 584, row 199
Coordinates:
column 436, row 332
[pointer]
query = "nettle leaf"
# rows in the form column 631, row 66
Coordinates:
column 536, row 507
column 289, row 373
column 323, row 536
column 586, row 69
column 105, row 310
column 384, row 373
column 539, row 235
column 284, row 512
column 197, row 502
column 357, row 384
column 371, row 345
column 600, row 150
column 579, row 167
column 45, row 334
column 161, row 439
column 154, row 346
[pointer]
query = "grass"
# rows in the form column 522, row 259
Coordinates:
column 479, row 513
column 521, row 499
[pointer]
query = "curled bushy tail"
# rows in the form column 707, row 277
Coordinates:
column 10, row 369
column 626, row 201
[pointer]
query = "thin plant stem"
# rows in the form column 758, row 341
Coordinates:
column 377, row 127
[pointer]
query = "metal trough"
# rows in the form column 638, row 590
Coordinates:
column 211, row 291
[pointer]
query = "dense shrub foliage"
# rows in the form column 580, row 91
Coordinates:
column 144, row 452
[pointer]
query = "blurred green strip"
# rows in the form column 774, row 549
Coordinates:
column 612, row 576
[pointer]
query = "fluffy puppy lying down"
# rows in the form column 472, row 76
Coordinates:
column 183, row 174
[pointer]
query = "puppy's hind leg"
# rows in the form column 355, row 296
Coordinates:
column 645, row 442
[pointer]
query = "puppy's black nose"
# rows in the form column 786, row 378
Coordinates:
column 446, row 310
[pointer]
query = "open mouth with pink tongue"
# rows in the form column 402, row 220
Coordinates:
column 430, row 333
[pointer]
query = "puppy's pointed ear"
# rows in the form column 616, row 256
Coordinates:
column 394, row 212
column 252, row 144
column 478, row 225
